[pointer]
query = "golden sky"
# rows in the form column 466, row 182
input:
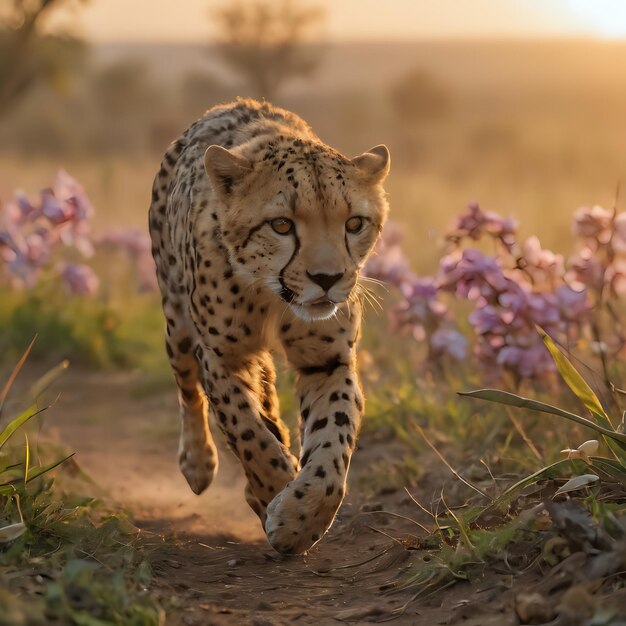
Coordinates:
column 189, row 20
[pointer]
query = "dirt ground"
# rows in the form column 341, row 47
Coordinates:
column 216, row 567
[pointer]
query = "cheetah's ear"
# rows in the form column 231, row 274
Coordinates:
column 224, row 168
column 374, row 163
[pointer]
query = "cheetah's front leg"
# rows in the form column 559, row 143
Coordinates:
column 247, row 414
column 331, row 409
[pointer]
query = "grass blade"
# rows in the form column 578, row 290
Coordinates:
column 26, row 459
column 48, row 379
column 511, row 399
column 39, row 471
column 550, row 471
column 14, row 373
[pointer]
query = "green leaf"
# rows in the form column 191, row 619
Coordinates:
column 510, row 399
column 584, row 393
column 21, row 419
column 573, row 378
column 611, row 467
column 6, row 490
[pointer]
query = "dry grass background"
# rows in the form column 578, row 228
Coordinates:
column 533, row 129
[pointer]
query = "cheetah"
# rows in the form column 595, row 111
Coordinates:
column 258, row 232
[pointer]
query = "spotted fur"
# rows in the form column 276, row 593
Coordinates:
column 235, row 288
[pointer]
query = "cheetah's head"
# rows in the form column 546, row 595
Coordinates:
column 299, row 218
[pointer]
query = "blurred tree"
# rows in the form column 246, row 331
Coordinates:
column 419, row 98
column 199, row 90
column 124, row 88
column 264, row 41
column 28, row 56
column 124, row 96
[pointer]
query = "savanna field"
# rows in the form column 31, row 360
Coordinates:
column 501, row 276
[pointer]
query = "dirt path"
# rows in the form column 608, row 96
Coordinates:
column 218, row 568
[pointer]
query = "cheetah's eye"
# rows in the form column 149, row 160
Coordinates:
column 282, row 225
column 355, row 225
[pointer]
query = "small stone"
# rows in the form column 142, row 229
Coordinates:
column 533, row 608
column 232, row 563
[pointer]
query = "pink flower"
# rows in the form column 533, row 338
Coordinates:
column 585, row 270
column 619, row 233
column 616, row 277
column 543, row 265
column 593, row 224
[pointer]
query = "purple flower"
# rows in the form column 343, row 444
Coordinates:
column 79, row 279
column 573, row 305
column 55, row 210
column 471, row 274
column 450, row 342
column 475, row 223
column 528, row 362
column 488, row 319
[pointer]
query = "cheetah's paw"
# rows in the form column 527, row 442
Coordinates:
column 198, row 463
column 298, row 517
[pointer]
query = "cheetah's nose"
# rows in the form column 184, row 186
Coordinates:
column 325, row 281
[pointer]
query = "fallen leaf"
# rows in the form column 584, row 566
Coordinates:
column 576, row 483
column 11, row 532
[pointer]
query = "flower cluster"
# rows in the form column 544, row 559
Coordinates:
column 421, row 312
column 600, row 263
column 31, row 231
column 49, row 235
column 512, row 290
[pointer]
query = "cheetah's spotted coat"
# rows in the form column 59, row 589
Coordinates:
column 259, row 230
